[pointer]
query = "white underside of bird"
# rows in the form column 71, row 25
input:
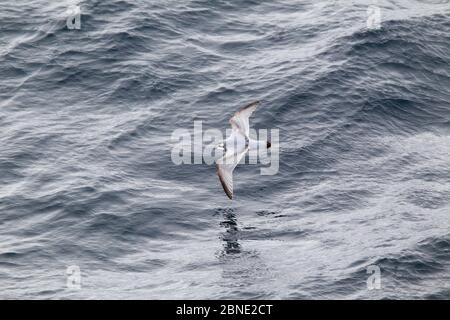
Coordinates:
column 236, row 146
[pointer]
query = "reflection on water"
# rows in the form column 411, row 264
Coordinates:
column 231, row 235
column 243, row 268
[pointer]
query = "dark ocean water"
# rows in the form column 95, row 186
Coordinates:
column 86, row 177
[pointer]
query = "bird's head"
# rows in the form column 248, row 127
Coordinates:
column 221, row 146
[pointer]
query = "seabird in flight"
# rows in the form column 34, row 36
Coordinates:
column 236, row 145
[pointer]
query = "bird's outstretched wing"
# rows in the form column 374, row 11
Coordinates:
column 225, row 167
column 240, row 120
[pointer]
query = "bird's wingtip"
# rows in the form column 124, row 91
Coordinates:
column 251, row 104
column 228, row 192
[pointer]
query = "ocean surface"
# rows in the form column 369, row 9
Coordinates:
column 86, row 177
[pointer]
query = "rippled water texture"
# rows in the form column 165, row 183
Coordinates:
column 86, row 177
